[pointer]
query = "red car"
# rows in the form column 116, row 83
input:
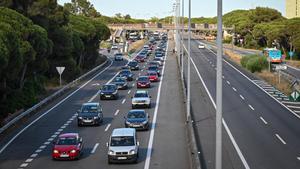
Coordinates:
column 143, row 82
column 139, row 58
column 153, row 76
column 68, row 146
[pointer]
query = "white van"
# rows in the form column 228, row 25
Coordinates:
column 123, row 146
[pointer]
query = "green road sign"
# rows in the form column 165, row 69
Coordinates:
column 295, row 96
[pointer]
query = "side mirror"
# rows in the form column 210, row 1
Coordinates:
column 80, row 140
column 138, row 143
column 106, row 144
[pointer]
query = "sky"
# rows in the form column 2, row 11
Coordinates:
column 160, row 8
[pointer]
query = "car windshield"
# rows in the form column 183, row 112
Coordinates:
column 152, row 68
column 132, row 63
column 119, row 80
column 122, row 141
column 125, row 72
column 89, row 109
column 152, row 74
column 143, row 79
column 118, row 54
column 140, row 95
column 108, row 87
column 67, row 141
column 136, row 115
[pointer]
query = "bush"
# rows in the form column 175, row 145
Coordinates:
column 254, row 63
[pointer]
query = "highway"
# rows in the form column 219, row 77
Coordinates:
column 30, row 145
column 259, row 132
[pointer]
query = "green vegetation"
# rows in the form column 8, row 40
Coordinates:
column 35, row 37
column 254, row 63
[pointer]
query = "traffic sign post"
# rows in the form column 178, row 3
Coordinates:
column 60, row 70
column 291, row 53
column 279, row 68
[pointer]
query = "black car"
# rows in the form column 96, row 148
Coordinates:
column 154, row 68
column 127, row 74
column 137, row 119
column 90, row 114
column 109, row 91
column 133, row 65
column 121, row 83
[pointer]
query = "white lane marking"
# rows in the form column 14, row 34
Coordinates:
column 142, row 71
column 59, row 103
column 242, row 97
column 34, row 155
column 237, row 148
column 95, row 148
column 282, row 141
column 24, row 165
column 42, row 147
column 50, row 139
column 28, row 160
column 139, row 74
column 223, row 77
column 133, row 84
column 251, row 107
column 151, row 138
column 228, row 82
column 298, row 158
column 57, row 133
column 124, row 100
column 69, row 121
column 234, row 89
column 38, row 150
column 129, row 91
column 60, row 130
column 63, row 127
column 54, row 135
column 47, row 143
column 116, row 113
column 263, row 120
column 107, row 127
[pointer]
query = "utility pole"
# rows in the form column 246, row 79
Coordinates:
column 189, row 66
column 219, row 88
column 182, row 39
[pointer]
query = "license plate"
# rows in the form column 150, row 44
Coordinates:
column 143, row 85
column 136, row 125
column 87, row 121
column 122, row 158
column 108, row 96
column 64, row 155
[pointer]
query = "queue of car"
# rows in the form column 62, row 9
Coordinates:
column 123, row 145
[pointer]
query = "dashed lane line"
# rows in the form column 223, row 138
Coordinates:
column 124, row 100
column 94, row 148
column 117, row 112
column 107, row 127
column 251, row 107
column 234, row 89
column 129, row 91
column 281, row 139
column 228, row 82
column 263, row 120
column 242, row 97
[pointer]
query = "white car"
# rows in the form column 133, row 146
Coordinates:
column 114, row 47
column 201, row 46
column 141, row 98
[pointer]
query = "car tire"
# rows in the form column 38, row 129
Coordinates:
column 109, row 161
column 149, row 106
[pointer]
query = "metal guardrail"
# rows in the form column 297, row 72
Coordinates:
column 49, row 98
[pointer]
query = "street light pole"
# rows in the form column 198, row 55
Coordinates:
column 189, row 66
column 182, row 39
column 219, row 89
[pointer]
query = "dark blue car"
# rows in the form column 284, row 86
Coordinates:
column 126, row 74
column 109, row 91
column 137, row 119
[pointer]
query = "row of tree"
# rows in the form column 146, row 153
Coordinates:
column 35, row 37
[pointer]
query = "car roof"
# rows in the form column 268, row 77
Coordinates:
column 143, row 76
column 91, row 104
column 69, row 135
column 141, row 91
column 137, row 110
column 123, row 132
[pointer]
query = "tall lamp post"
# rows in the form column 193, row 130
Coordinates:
column 219, row 89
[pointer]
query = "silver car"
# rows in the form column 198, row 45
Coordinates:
column 123, row 146
column 141, row 98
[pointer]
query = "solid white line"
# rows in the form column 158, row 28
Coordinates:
column 94, row 149
column 262, row 119
column 124, row 100
column 59, row 103
column 24, row 165
column 251, row 107
column 234, row 89
column 107, row 127
column 237, row 148
column 228, row 82
column 117, row 112
column 29, row 160
column 282, row 141
column 242, row 97
column 151, row 138
column 129, row 91
column 34, row 155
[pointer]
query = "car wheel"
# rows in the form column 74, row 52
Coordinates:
column 149, row 105
column 109, row 161
column 79, row 125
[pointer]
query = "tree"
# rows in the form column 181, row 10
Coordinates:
column 118, row 15
column 82, row 7
column 127, row 17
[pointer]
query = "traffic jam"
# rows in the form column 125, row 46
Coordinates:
column 140, row 73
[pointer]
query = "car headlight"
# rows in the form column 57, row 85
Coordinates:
column 73, row 151
column 80, row 118
column 55, row 151
column 127, row 122
column 96, row 117
column 144, row 122
column 115, row 92
column 110, row 152
column 101, row 93
column 132, row 152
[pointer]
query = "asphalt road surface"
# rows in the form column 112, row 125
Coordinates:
column 259, row 133
column 164, row 146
